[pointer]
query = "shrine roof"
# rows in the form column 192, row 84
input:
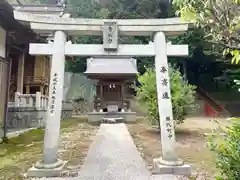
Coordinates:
column 111, row 66
column 7, row 18
column 39, row 9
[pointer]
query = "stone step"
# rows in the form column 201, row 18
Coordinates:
column 112, row 120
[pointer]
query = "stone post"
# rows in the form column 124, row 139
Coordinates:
column 169, row 162
column 46, row 91
column 23, row 101
column 27, row 89
column 42, row 89
column 46, row 102
column 38, row 100
column 30, row 98
column 16, row 99
column 51, row 165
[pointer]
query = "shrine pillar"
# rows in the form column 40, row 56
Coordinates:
column 51, row 139
column 169, row 162
column 51, row 165
column 20, row 73
column 164, row 97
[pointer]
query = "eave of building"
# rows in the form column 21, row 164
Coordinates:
column 112, row 77
column 111, row 66
column 7, row 17
column 18, row 35
column 79, row 26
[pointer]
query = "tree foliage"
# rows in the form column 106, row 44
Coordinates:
column 182, row 95
column 220, row 19
column 200, row 51
column 227, row 149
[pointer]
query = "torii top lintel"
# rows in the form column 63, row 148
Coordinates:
column 43, row 24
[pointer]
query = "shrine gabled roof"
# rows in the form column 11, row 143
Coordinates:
column 111, row 66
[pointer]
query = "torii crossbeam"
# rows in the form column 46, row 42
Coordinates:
column 131, row 50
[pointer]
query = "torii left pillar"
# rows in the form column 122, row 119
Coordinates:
column 51, row 165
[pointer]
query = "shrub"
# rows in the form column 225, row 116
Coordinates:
column 183, row 95
column 227, row 150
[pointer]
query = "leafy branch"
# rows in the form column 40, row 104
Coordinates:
column 220, row 20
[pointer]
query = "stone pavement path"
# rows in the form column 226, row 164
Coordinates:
column 114, row 156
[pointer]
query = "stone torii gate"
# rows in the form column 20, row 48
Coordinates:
column 60, row 28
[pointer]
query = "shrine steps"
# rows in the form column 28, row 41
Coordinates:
column 97, row 117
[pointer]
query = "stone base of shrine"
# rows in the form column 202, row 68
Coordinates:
column 54, row 171
column 160, row 168
column 96, row 117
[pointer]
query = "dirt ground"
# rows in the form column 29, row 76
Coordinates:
column 191, row 143
column 22, row 152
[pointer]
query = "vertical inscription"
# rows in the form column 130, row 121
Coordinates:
column 53, row 98
column 110, row 35
column 169, row 127
column 166, row 96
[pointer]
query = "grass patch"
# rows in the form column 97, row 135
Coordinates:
column 23, row 151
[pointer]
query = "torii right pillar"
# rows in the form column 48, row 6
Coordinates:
column 169, row 163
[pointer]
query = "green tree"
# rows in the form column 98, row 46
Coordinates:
column 227, row 149
column 183, row 95
column 220, row 20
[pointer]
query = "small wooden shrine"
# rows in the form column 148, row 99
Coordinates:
column 113, row 77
